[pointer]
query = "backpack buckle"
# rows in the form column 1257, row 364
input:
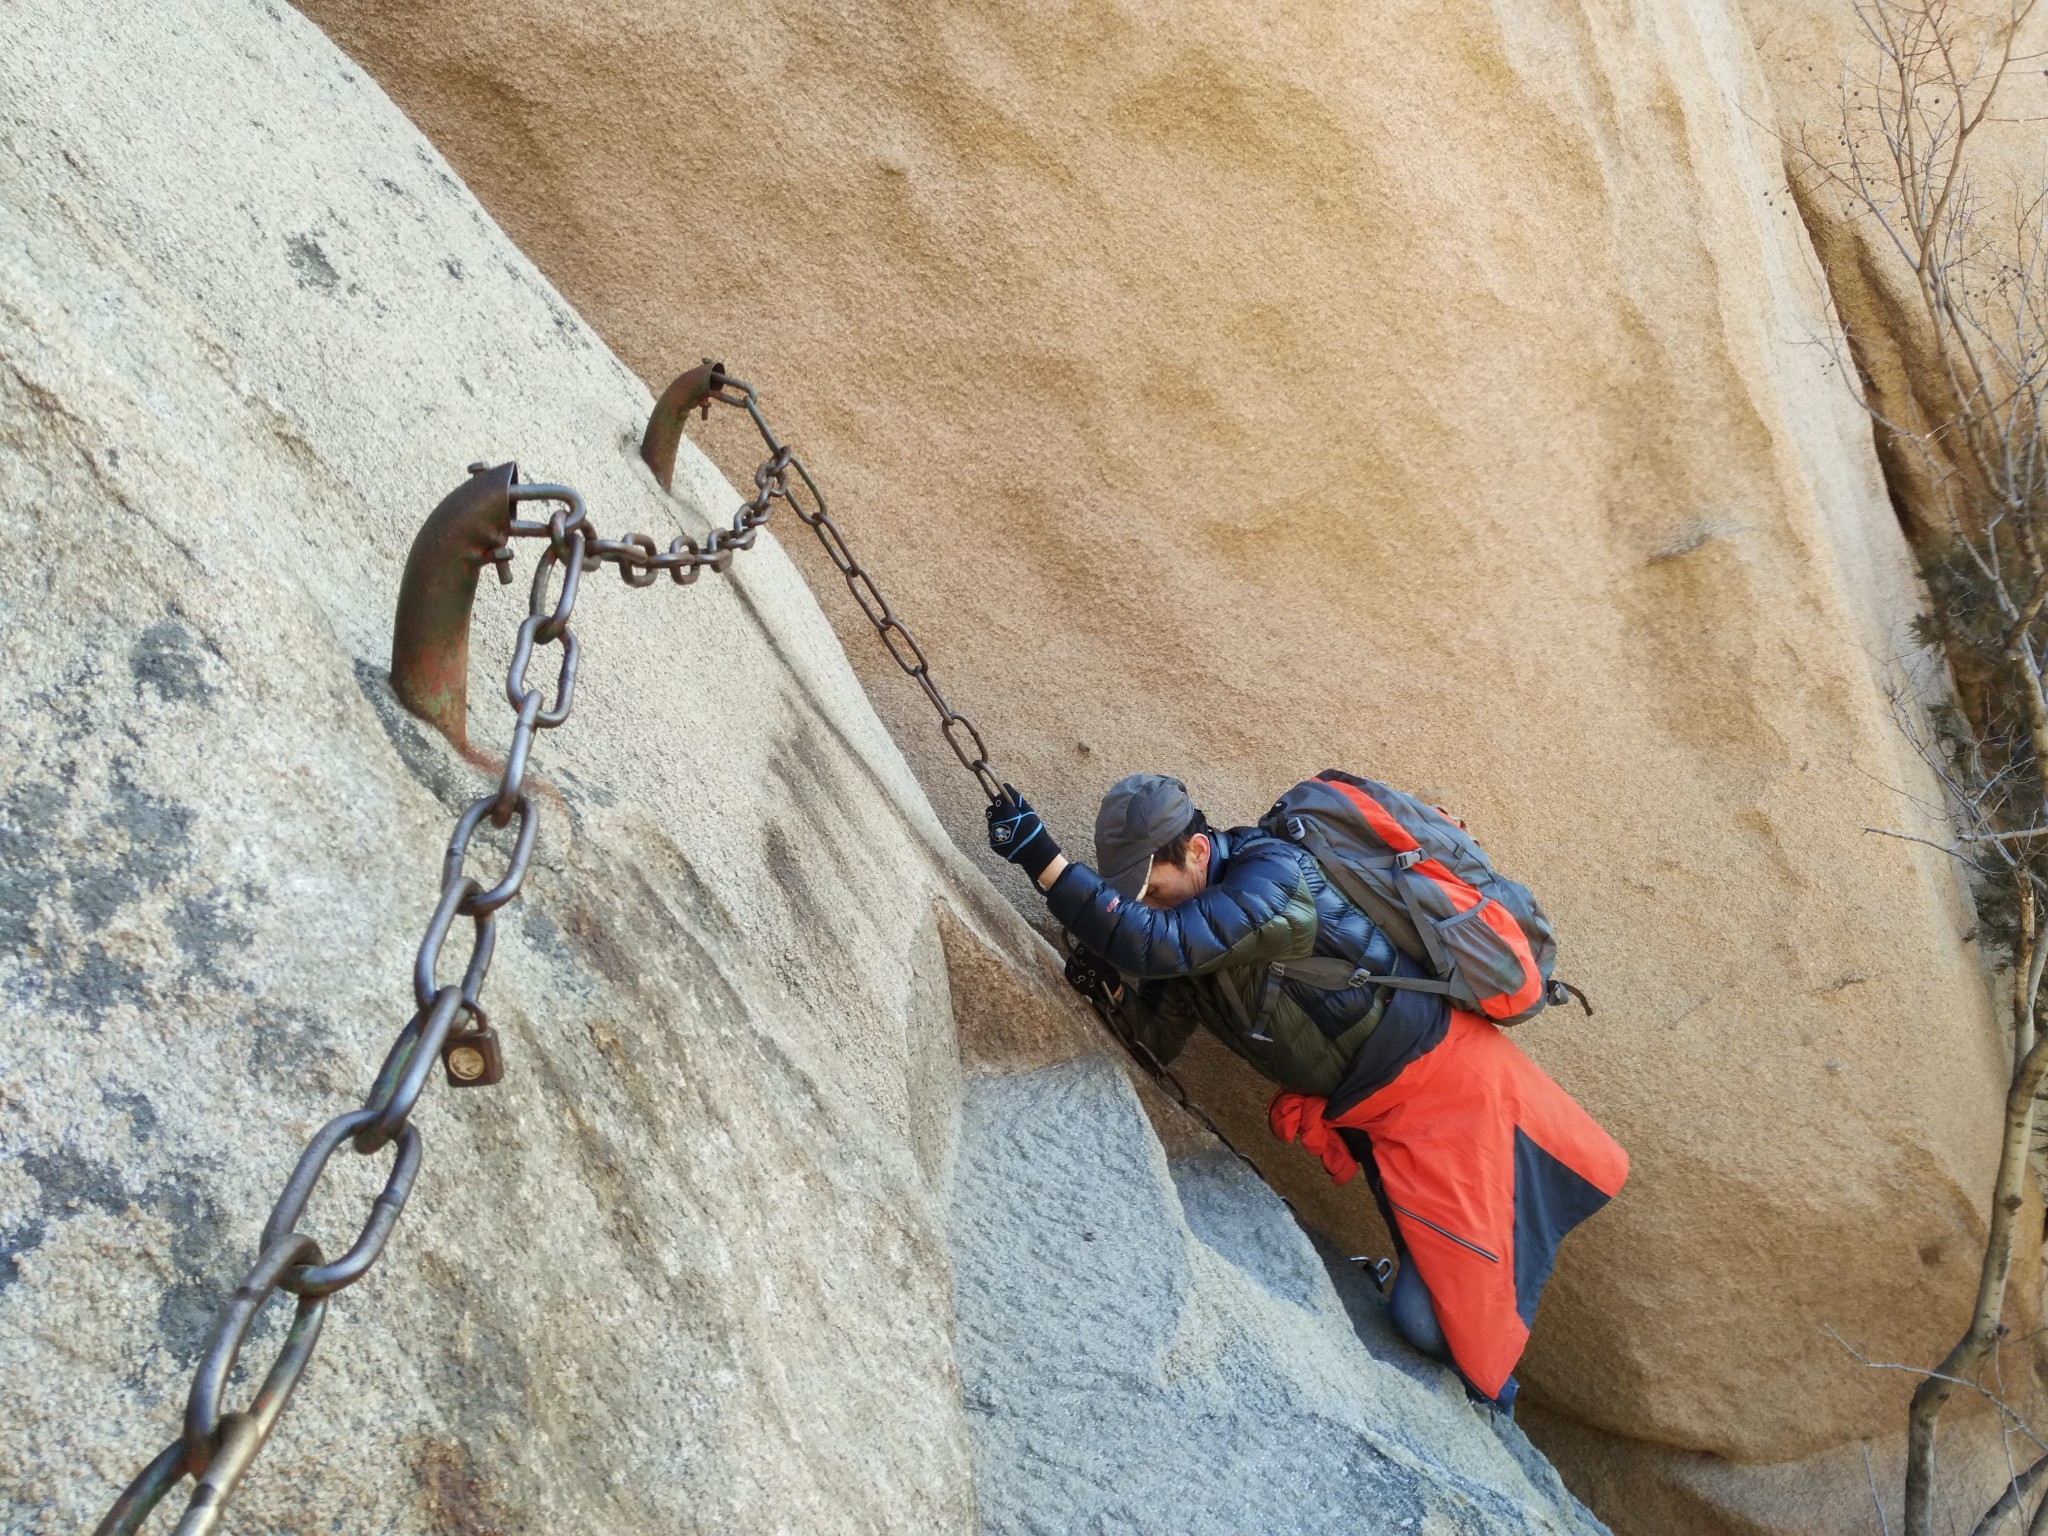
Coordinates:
column 1410, row 859
column 1296, row 832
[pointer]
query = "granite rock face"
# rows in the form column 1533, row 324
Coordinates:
column 1816, row 55
column 1425, row 390
column 694, row 1264
column 1145, row 1347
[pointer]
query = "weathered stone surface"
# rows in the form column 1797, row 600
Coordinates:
column 1242, row 389
column 1153, row 1349
column 1819, row 61
column 1846, row 1490
column 691, row 1265
column 243, row 359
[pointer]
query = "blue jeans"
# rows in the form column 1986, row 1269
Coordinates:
column 1413, row 1314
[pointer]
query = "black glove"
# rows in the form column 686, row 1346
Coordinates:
column 1094, row 979
column 1016, row 833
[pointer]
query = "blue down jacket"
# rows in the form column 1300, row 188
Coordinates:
column 1211, row 961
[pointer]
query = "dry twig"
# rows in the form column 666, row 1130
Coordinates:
column 1966, row 435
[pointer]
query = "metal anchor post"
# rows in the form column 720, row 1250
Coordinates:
column 430, row 635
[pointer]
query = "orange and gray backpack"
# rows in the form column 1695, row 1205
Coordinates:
column 1416, row 872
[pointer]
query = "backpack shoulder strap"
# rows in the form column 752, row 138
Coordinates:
column 1325, row 975
column 1338, row 871
column 1228, row 987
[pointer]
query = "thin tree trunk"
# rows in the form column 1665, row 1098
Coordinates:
column 2006, row 1197
column 2014, row 1501
column 2029, row 993
column 1984, row 1329
column 1973, row 416
column 2026, row 980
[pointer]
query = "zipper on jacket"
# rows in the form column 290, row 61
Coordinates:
column 1461, row 1242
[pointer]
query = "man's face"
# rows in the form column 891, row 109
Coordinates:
column 1172, row 884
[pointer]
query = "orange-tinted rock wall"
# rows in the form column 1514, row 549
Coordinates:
column 1245, row 389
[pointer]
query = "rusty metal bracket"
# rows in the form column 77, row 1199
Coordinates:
column 430, row 636
column 699, row 387
column 470, row 529
column 782, row 477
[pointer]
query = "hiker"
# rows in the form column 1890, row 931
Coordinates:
column 1478, row 1161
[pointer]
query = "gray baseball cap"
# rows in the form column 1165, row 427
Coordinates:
column 1139, row 816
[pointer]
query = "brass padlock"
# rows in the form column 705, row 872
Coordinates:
column 472, row 1060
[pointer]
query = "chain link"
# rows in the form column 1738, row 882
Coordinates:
column 783, row 477
column 448, row 1024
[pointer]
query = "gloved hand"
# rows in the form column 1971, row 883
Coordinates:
column 1016, row 833
column 1300, row 1115
column 1093, row 979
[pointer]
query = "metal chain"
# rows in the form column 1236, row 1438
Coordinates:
column 448, row 1025
column 641, row 560
column 638, row 562
column 772, row 484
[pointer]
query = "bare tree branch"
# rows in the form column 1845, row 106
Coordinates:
column 1963, row 841
column 1964, row 436
column 2006, row 1412
column 2014, row 1500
